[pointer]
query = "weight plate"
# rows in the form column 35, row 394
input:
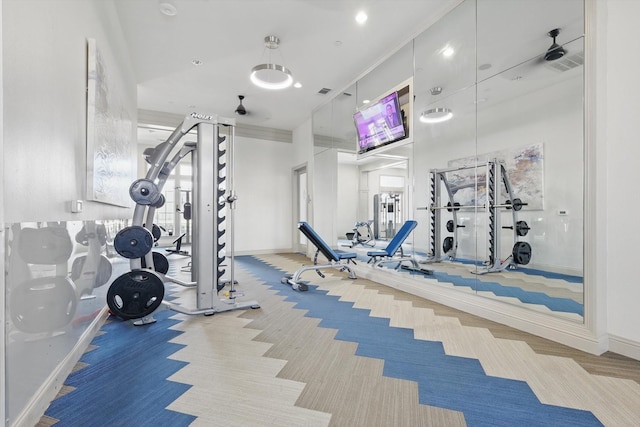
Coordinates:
column 521, row 253
column 46, row 245
column 100, row 277
column 43, row 304
column 135, row 294
column 517, row 204
column 160, row 263
column 144, row 192
column 450, row 226
column 133, row 242
column 447, row 244
column 160, row 202
column 522, row 228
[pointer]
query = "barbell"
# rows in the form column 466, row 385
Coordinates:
column 516, row 205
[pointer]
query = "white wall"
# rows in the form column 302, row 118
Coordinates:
column 44, row 167
column 618, row 88
column 263, row 216
column 325, row 195
column 45, row 98
column 347, row 200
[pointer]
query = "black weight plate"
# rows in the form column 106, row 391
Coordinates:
column 447, row 244
column 144, row 192
column 160, row 263
column 522, row 228
column 44, row 304
column 450, row 226
column 521, row 253
column 46, row 245
column 135, row 294
column 156, row 232
column 133, row 242
column 160, row 203
column 517, row 204
column 100, row 277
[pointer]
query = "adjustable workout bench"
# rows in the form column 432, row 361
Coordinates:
column 337, row 259
column 394, row 253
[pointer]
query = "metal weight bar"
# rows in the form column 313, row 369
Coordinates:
column 451, row 226
column 517, row 205
column 456, row 207
column 522, row 228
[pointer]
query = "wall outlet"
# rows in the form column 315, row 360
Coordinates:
column 563, row 212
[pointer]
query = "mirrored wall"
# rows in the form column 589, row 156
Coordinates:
column 492, row 167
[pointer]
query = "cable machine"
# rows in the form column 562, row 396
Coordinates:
column 139, row 292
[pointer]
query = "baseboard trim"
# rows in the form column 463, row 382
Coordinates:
column 35, row 409
column 624, row 347
column 265, row 252
column 565, row 331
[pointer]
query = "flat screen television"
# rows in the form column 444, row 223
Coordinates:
column 379, row 124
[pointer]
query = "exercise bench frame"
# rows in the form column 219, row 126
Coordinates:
column 337, row 259
column 393, row 252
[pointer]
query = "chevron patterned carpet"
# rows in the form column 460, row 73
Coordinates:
column 345, row 353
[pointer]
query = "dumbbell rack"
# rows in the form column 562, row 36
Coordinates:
column 138, row 293
column 496, row 173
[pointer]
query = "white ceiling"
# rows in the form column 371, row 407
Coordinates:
column 320, row 42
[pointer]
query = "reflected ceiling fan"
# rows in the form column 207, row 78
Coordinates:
column 555, row 51
column 555, row 58
column 240, row 110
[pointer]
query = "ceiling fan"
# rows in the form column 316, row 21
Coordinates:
column 240, row 110
column 555, row 51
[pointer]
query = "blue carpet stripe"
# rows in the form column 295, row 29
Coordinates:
column 451, row 382
column 125, row 383
column 564, row 305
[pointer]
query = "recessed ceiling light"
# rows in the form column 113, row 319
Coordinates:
column 337, row 43
column 196, row 62
column 168, row 9
column 297, row 85
column 448, row 51
column 361, row 17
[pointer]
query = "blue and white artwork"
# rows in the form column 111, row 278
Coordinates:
column 110, row 168
column 524, row 168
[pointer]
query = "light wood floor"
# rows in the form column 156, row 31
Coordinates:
column 275, row 367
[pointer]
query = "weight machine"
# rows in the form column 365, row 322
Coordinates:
column 496, row 173
column 387, row 214
column 139, row 292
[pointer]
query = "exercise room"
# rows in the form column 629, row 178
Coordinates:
column 319, row 213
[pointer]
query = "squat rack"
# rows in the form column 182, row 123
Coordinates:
column 496, row 173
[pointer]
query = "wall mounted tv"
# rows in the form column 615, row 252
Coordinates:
column 380, row 124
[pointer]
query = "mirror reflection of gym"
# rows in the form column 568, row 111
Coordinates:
column 506, row 103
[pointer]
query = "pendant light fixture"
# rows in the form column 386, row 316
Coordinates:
column 436, row 115
column 270, row 75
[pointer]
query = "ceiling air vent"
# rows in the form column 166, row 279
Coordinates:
column 567, row 62
column 324, row 91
